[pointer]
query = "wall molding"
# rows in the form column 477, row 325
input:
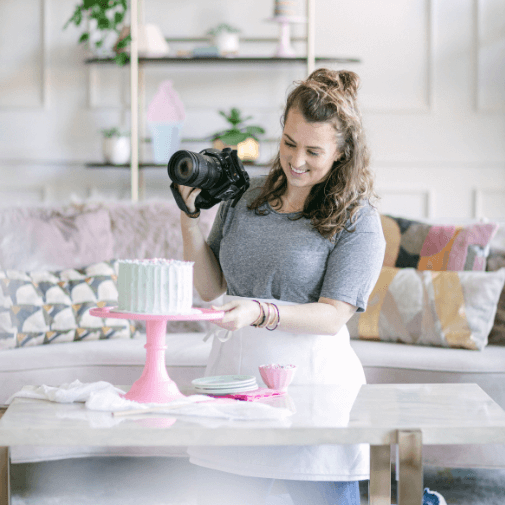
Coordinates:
column 33, row 194
column 93, row 91
column 44, row 63
column 479, row 195
column 427, row 108
column 476, row 67
column 442, row 164
column 426, row 194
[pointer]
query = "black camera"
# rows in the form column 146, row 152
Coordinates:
column 219, row 174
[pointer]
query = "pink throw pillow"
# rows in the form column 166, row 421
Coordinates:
column 44, row 238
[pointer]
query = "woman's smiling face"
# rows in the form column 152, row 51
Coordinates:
column 307, row 150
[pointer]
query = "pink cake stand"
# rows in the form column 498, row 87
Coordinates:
column 154, row 385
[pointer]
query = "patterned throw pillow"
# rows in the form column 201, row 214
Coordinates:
column 495, row 261
column 51, row 307
column 447, row 309
column 412, row 244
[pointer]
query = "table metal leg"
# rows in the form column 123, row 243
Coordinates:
column 379, row 490
column 5, row 481
column 410, row 471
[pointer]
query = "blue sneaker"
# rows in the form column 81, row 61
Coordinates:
column 433, row 498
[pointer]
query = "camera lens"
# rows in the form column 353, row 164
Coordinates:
column 184, row 168
column 194, row 169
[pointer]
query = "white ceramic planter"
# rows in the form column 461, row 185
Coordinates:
column 227, row 43
column 116, row 150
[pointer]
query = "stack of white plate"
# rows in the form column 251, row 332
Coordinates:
column 225, row 384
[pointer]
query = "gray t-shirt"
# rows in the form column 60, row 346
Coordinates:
column 275, row 257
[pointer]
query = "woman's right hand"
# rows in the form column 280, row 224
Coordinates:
column 189, row 196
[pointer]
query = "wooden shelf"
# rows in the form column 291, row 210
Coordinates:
column 238, row 59
column 163, row 166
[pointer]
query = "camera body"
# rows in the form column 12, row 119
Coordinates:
column 219, row 174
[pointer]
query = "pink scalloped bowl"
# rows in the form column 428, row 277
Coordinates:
column 277, row 376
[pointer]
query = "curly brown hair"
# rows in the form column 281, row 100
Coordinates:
column 328, row 96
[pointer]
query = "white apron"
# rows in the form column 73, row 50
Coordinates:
column 321, row 359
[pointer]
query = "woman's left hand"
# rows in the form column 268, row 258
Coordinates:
column 238, row 313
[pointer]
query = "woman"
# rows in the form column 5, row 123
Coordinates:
column 299, row 254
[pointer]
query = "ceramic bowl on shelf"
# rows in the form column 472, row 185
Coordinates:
column 277, row 376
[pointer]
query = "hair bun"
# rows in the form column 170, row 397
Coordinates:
column 345, row 80
column 350, row 82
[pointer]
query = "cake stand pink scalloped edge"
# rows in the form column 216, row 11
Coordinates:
column 154, row 385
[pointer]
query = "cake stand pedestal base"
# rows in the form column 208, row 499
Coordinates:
column 285, row 49
column 154, row 385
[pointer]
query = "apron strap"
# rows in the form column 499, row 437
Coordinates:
column 221, row 335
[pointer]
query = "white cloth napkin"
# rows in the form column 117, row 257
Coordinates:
column 103, row 396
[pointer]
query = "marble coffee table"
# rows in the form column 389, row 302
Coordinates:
column 383, row 415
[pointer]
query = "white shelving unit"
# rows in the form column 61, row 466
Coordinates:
column 136, row 84
column 137, row 87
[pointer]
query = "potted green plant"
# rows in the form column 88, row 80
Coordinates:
column 245, row 139
column 225, row 38
column 105, row 20
column 116, row 146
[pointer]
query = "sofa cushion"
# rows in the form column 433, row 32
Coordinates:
column 448, row 309
column 430, row 359
column 47, row 238
column 53, row 307
column 495, row 261
column 413, row 244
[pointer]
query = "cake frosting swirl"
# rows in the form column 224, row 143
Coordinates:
column 155, row 286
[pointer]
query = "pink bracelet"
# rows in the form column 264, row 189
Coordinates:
column 261, row 317
column 266, row 321
column 278, row 318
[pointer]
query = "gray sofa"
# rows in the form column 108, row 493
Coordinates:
column 73, row 236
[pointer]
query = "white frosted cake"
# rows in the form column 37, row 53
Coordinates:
column 155, row 286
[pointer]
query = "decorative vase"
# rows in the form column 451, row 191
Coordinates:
column 151, row 42
column 166, row 139
column 116, row 150
column 227, row 43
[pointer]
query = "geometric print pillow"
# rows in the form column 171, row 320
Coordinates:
column 411, row 244
column 52, row 307
column 446, row 309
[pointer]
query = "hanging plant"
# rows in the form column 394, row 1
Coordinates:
column 108, row 16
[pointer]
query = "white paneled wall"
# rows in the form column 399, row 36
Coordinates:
column 433, row 97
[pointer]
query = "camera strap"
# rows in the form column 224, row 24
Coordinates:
column 179, row 200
